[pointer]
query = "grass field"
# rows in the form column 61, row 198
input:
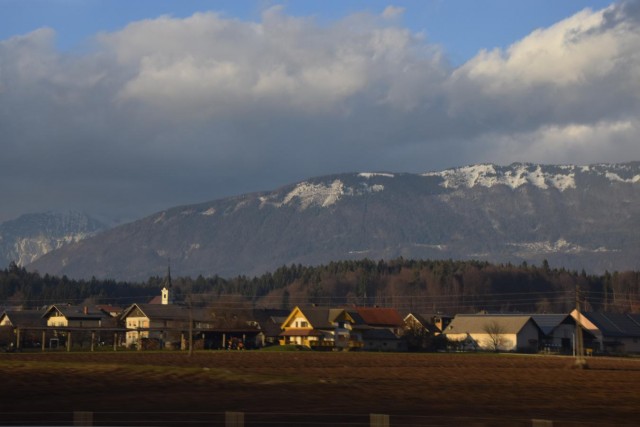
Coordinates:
column 313, row 388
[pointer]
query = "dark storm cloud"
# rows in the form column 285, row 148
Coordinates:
column 171, row 111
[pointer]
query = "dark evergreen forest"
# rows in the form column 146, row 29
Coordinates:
column 444, row 286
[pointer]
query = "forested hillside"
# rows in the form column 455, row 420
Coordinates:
column 20, row 288
column 419, row 285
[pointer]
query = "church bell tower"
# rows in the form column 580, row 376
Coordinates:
column 166, row 288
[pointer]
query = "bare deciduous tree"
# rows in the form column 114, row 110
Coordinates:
column 496, row 335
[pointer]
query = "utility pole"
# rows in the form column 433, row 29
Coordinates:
column 190, row 325
column 581, row 362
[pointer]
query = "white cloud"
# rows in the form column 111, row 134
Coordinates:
column 392, row 12
column 205, row 59
column 580, row 73
column 567, row 144
column 571, row 52
column 164, row 105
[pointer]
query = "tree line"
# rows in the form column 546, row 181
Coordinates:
column 446, row 286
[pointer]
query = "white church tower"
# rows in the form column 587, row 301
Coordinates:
column 166, row 288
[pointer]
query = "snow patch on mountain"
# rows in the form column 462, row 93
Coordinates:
column 515, row 176
column 625, row 173
column 160, row 218
column 307, row 194
column 209, row 212
column 559, row 246
column 369, row 175
column 322, row 195
column 615, row 177
column 28, row 249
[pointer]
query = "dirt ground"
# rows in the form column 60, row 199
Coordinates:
column 316, row 389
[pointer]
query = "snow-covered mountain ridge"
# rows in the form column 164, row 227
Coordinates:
column 518, row 174
column 573, row 216
column 563, row 177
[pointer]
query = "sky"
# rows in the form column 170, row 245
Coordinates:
column 121, row 109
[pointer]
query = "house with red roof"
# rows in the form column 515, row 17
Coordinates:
column 378, row 328
column 362, row 328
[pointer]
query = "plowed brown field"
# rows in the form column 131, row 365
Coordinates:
column 309, row 388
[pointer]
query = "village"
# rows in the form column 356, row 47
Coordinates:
column 161, row 324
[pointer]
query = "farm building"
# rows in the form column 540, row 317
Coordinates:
column 494, row 332
column 612, row 332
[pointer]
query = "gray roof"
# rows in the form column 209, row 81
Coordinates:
column 318, row 317
column 548, row 322
column 477, row 323
column 25, row 318
column 76, row 312
column 615, row 324
column 169, row 312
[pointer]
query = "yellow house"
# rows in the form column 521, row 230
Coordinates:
column 318, row 327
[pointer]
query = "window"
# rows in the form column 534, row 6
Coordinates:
column 304, row 324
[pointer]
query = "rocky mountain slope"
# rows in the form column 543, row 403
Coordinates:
column 27, row 238
column 578, row 217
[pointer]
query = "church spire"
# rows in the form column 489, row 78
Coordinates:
column 166, row 299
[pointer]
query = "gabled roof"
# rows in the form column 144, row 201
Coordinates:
column 170, row 312
column 548, row 322
column 380, row 317
column 478, row 323
column 318, row 317
column 24, row 318
column 358, row 321
column 425, row 320
column 615, row 324
column 159, row 311
column 75, row 312
column 270, row 320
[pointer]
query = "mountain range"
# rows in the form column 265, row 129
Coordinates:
column 576, row 217
column 28, row 237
